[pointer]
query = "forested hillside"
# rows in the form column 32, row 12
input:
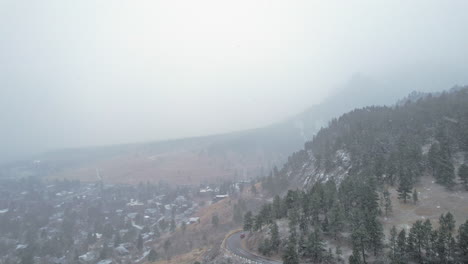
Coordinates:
column 344, row 176
column 393, row 144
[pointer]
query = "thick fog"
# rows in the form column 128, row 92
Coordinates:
column 82, row 73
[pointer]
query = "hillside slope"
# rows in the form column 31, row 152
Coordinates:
column 373, row 170
column 416, row 138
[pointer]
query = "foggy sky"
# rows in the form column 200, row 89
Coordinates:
column 82, row 73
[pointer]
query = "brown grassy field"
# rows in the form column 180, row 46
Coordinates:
column 434, row 200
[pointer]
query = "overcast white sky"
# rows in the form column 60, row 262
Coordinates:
column 81, row 73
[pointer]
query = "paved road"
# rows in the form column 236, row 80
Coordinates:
column 233, row 244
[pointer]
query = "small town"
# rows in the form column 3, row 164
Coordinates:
column 64, row 221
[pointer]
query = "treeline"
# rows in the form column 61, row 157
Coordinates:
column 329, row 212
column 423, row 244
column 323, row 211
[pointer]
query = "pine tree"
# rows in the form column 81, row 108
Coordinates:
column 276, row 207
column 258, row 222
column 415, row 196
column 117, row 239
column 463, row 242
column 339, row 254
column 315, row 246
column 450, row 222
column 463, row 175
column 104, row 252
column 374, row 233
column 183, row 226
column 265, row 247
column 290, row 255
column 441, row 246
column 360, row 240
column 447, row 223
column 328, row 258
column 248, row 221
column 420, row 234
column 167, row 245
column 404, row 188
column 387, row 202
column 400, row 252
column 451, row 247
column 393, row 243
column 445, row 171
column 152, row 255
column 355, row 258
column 275, row 239
column 215, row 220
column 156, row 231
column 325, row 225
column 139, row 242
column 336, row 220
column 433, row 157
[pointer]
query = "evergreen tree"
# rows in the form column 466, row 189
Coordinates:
column 441, row 247
column 355, row 258
column 290, row 254
column 152, row 255
column 463, row 175
column 411, row 244
column 336, row 220
column 139, row 242
column 375, row 233
column 183, row 226
column 451, row 247
column 463, row 242
column 325, row 225
column 315, row 247
column 276, row 207
column 400, row 252
column 360, row 241
column 248, row 221
column 258, row 222
column 387, row 202
column 393, row 243
column 215, row 220
column 156, row 231
column 415, row 196
column 265, row 247
column 104, row 252
column 404, row 188
column 339, row 254
column 117, row 239
column 420, row 235
column 275, row 239
column 27, row 256
column 445, row 171
column 433, row 157
column 447, row 223
column 427, row 227
column 167, row 245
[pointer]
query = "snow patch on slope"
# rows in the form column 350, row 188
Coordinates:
column 311, row 174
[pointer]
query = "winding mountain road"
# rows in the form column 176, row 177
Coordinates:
column 233, row 244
